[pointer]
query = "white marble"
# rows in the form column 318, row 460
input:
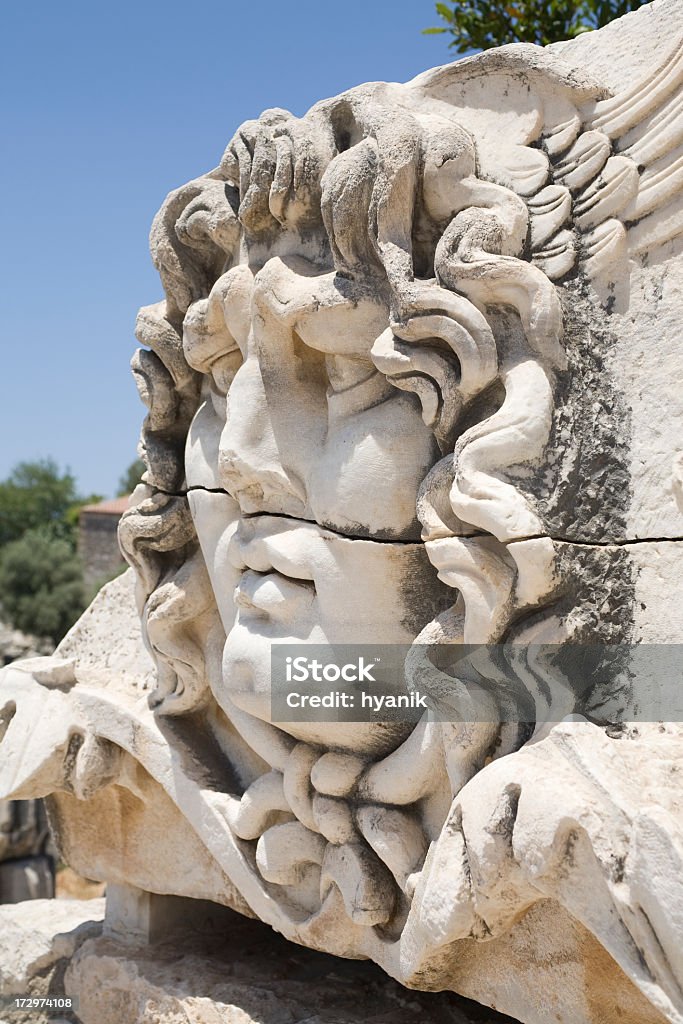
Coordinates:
column 415, row 380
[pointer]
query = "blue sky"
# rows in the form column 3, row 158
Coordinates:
column 105, row 108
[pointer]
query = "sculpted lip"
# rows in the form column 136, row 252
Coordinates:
column 271, row 592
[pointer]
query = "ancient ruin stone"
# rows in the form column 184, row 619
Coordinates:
column 414, row 383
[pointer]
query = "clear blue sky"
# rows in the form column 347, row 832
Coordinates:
column 107, row 106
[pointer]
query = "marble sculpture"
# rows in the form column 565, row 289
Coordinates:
column 415, row 379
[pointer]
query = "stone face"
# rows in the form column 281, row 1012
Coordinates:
column 413, row 385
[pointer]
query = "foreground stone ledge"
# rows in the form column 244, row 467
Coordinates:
column 248, row 975
column 37, row 941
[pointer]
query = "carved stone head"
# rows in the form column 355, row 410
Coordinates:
column 393, row 399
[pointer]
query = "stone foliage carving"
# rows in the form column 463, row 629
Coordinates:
column 395, row 395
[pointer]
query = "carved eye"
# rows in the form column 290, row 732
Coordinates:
column 206, row 337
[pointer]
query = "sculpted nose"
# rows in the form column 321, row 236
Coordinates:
column 276, row 406
column 249, row 464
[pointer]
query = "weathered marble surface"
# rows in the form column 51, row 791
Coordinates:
column 245, row 975
column 26, row 868
column 415, row 380
column 38, row 939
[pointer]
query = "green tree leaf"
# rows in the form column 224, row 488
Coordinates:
column 41, row 584
column 37, row 494
column 481, row 24
column 131, row 478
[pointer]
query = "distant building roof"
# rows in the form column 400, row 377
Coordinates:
column 112, row 507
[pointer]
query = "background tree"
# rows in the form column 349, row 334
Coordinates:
column 481, row 24
column 131, row 478
column 36, row 494
column 41, row 584
column 41, row 580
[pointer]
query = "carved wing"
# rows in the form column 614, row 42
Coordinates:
column 624, row 169
column 600, row 175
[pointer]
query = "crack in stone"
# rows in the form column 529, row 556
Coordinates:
column 626, row 542
column 300, row 519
